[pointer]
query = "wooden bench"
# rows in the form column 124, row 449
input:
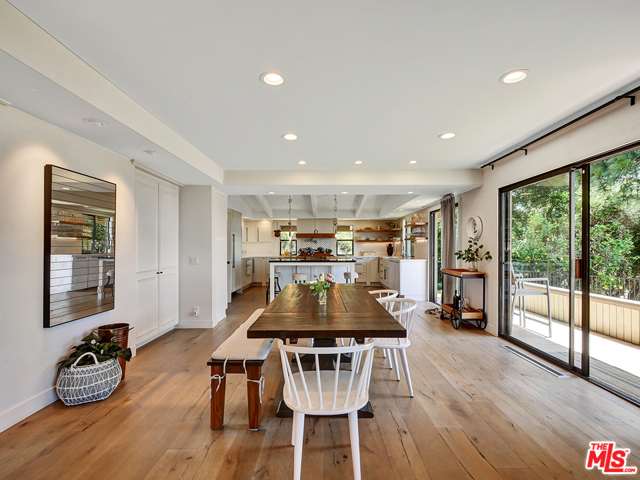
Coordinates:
column 239, row 354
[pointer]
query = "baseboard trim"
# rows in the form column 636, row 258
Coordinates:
column 188, row 323
column 23, row 410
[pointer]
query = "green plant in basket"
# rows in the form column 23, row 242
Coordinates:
column 103, row 350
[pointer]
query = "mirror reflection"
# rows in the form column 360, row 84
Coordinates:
column 80, row 272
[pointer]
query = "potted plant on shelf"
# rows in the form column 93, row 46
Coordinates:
column 91, row 372
column 472, row 255
column 321, row 286
column 276, row 233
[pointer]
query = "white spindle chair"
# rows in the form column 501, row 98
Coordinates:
column 326, row 392
column 386, row 293
column 402, row 309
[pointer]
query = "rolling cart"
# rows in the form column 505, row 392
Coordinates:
column 459, row 315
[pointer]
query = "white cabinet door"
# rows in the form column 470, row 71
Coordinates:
column 157, row 238
column 168, row 291
column 147, row 223
column 264, row 232
column 168, row 227
column 251, row 232
column 147, row 309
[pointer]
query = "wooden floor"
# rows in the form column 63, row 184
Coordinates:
column 479, row 412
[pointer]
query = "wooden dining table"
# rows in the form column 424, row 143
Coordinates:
column 350, row 312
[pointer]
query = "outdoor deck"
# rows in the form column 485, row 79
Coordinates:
column 613, row 361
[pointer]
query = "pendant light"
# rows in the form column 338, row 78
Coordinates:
column 290, row 243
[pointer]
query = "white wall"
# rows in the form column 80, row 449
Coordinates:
column 28, row 352
column 203, row 234
column 196, row 241
column 615, row 126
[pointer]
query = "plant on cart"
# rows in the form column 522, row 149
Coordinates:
column 473, row 254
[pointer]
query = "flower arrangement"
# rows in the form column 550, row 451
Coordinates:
column 321, row 286
column 103, row 350
column 472, row 255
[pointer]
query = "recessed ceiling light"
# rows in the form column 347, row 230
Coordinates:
column 401, row 209
column 94, row 121
column 344, row 193
column 153, row 153
column 412, row 162
column 446, row 136
column 358, row 162
column 514, row 76
column 271, row 193
column 290, row 136
column 302, row 162
column 66, row 188
column 409, row 192
column 271, row 78
column 418, row 201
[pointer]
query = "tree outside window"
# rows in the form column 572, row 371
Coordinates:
column 344, row 240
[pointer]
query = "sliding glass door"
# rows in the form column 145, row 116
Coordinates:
column 538, row 284
column 614, row 274
column 570, row 289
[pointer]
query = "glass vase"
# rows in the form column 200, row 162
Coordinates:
column 473, row 266
column 322, row 297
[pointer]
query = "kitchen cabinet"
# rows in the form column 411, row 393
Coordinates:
column 407, row 276
column 234, row 251
column 247, row 272
column 263, row 230
column 157, row 227
column 253, row 231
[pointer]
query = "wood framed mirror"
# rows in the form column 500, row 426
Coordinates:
column 79, row 246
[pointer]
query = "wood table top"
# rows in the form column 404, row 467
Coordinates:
column 350, row 312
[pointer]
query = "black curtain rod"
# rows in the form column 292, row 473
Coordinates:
column 628, row 95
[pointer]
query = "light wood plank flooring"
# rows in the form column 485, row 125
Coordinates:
column 479, row 412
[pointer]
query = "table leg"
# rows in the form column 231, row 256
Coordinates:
column 272, row 287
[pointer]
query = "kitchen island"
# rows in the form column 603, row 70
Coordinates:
column 336, row 266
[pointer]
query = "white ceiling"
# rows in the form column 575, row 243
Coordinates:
column 370, row 80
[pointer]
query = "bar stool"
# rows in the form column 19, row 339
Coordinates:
column 348, row 276
column 276, row 276
column 299, row 277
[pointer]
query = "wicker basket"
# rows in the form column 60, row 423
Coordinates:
column 88, row 383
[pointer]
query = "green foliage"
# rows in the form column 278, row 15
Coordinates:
column 323, row 282
column 472, row 253
column 103, row 350
column 540, row 224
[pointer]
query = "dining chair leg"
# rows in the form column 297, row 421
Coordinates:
column 293, row 429
column 524, row 311
column 297, row 453
column 384, row 353
column 405, row 364
column 395, row 364
column 549, row 308
column 389, row 359
column 354, row 437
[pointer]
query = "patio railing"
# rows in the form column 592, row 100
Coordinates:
column 614, row 317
